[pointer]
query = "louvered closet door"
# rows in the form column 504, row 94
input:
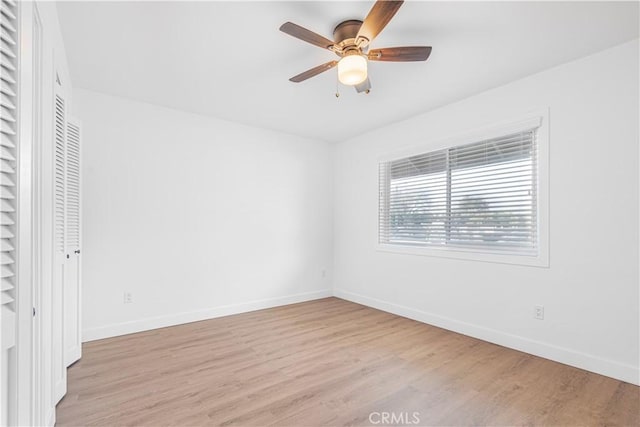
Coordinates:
column 8, row 164
column 59, row 367
column 72, row 290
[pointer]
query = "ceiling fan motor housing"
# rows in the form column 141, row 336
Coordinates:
column 345, row 32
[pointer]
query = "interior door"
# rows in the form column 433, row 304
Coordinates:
column 9, row 49
column 72, row 290
column 59, row 367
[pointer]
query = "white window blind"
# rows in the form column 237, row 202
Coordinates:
column 480, row 196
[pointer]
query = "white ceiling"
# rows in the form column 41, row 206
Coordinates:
column 228, row 59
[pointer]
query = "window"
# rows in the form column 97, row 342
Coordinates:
column 476, row 197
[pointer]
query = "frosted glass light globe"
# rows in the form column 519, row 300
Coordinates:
column 352, row 70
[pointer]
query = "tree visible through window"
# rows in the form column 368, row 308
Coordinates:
column 480, row 195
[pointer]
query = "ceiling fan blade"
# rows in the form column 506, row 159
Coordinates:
column 306, row 35
column 400, row 54
column 313, row 72
column 365, row 86
column 378, row 18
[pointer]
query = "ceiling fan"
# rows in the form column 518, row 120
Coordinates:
column 351, row 44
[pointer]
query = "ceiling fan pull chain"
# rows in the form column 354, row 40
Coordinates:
column 337, row 87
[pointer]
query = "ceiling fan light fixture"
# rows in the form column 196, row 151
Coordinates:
column 350, row 38
column 352, row 69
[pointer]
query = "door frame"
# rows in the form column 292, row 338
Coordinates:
column 34, row 403
column 24, row 244
column 43, row 412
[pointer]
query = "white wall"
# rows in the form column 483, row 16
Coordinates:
column 590, row 290
column 196, row 217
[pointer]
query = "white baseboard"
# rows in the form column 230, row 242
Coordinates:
column 609, row 368
column 125, row 328
column 51, row 417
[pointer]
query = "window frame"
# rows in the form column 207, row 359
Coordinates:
column 540, row 121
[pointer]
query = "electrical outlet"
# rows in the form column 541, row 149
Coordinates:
column 128, row 297
column 323, row 273
column 538, row 312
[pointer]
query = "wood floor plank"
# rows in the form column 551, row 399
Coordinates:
column 325, row 363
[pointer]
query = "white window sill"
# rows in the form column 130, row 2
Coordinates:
column 471, row 254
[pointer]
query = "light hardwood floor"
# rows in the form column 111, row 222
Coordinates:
column 329, row 362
